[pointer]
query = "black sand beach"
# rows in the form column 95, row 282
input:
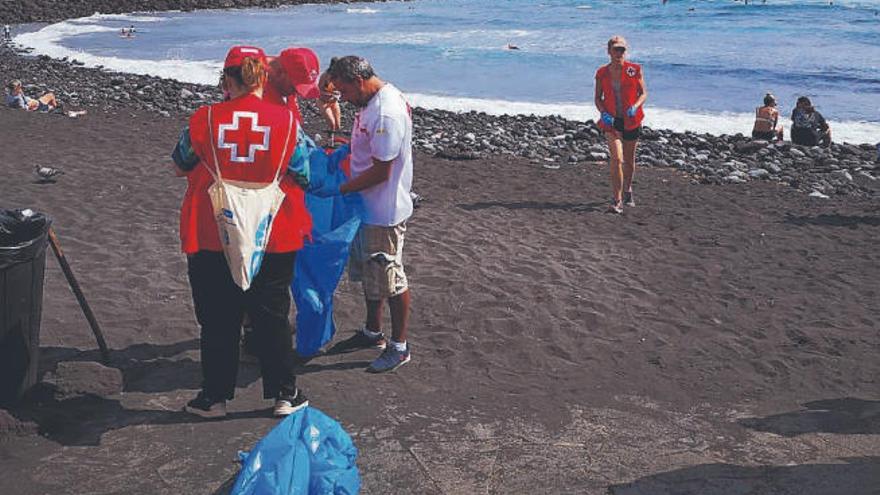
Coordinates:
column 719, row 338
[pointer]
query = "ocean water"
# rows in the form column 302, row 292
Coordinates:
column 707, row 63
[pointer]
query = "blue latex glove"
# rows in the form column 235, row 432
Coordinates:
column 631, row 111
column 607, row 118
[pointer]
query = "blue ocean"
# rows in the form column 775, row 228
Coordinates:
column 707, row 63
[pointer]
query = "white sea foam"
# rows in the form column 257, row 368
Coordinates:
column 124, row 18
column 46, row 42
column 658, row 118
column 365, row 10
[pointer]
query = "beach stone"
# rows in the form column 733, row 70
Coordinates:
column 750, row 147
column 185, row 93
column 10, row 425
column 817, row 194
column 77, row 378
column 598, row 156
column 842, row 174
column 797, row 153
column 758, row 173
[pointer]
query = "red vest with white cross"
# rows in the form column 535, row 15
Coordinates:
column 253, row 139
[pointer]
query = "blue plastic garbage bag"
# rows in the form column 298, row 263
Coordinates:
column 321, row 262
column 308, row 453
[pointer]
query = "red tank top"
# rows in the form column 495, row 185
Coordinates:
column 630, row 90
column 250, row 137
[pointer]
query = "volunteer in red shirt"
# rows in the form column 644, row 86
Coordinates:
column 294, row 72
column 252, row 138
column 620, row 94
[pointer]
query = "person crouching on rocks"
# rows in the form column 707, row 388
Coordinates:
column 766, row 118
column 242, row 143
column 808, row 126
column 620, row 94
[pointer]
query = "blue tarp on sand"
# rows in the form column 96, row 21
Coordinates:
column 321, row 262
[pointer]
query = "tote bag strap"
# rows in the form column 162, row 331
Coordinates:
column 217, row 176
column 291, row 125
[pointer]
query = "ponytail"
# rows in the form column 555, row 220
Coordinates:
column 250, row 74
column 253, row 73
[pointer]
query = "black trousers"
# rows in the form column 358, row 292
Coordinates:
column 220, row 305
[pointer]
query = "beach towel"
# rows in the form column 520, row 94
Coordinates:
column 244, row 214
column 321, row 262
column 308, row 453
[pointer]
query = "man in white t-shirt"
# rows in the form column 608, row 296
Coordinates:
column 381, row 171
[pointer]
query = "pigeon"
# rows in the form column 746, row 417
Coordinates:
column 47, row 173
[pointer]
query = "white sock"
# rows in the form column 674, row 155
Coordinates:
column 398, row 346
column 371, row 334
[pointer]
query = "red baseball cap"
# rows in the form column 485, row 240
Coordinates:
column 237, row 54
column 302, row 68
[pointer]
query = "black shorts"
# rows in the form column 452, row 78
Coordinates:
column 630, row 135
column 765, row 135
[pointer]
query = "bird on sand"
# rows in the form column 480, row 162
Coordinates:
column 47, row 173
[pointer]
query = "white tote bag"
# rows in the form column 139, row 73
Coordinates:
column 244, row 212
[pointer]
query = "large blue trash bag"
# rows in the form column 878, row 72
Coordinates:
column 321, row 262
column 308, row 453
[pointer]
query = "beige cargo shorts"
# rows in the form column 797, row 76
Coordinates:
column 377, row 261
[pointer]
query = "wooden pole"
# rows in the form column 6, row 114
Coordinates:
column 74, row 286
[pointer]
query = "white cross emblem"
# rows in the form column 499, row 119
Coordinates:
column 236, row 139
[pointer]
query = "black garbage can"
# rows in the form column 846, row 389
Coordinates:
column 23, row 241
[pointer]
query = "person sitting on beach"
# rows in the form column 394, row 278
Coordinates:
column 809, row 127
column 17, row 99
column 294, row 72
column 242, row 140
column 766, row 118
column 619, row 96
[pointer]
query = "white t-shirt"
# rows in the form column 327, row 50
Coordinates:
column 383, row 130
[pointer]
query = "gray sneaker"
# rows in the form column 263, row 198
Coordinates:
column 390, row 360
column 628, row 199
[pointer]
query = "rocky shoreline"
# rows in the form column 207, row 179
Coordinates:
column 18, row 12
column 549, row 141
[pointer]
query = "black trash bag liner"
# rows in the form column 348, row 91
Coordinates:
column 23, row 235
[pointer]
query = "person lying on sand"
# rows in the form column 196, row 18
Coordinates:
column 17, row 99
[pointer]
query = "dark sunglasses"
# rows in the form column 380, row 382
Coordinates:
column 619, row 49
